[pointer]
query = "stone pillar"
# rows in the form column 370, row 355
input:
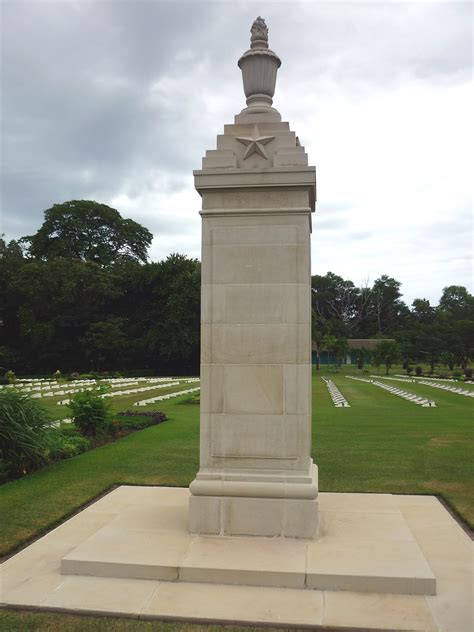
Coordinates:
column 256, row 474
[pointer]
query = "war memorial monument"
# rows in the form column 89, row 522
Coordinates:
column 252, row 541
column 256, row 476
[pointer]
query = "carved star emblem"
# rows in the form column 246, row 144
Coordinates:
column 255, row 143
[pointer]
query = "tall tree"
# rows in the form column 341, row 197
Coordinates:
column 422, row 310
column 329, row 344
column 339, row 302
column 50, row 306
column 88, row 231
column 386, row 307
column 106, row 343
column 457, row 301
column 341, row 349
column 362, row 356
column 389, row 353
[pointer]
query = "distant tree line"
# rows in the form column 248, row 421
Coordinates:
column 81, row 296
column 434, row 335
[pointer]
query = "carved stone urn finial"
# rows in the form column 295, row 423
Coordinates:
column 259, row 67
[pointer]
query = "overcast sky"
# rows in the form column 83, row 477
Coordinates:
column 117, row 101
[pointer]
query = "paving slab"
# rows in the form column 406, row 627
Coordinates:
column 364, row 547
column 32, row 578
column 231, row 604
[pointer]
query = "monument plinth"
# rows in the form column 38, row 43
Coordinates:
column 256, row 474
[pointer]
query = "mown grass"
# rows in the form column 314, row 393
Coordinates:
column 166, row 454
column 381, row 444
column 23, row 621
column 118, row 403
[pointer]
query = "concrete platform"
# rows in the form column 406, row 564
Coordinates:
column 370, row 545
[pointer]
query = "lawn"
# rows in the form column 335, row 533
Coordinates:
column 121, row 402
column 17, row 621
column 382, row 443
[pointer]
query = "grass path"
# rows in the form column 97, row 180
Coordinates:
column 381, row 444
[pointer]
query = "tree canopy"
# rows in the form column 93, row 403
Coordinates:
column 88, row 231
column 433, row 335
column 110, row 309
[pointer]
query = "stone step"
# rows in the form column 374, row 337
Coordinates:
column 370, row 551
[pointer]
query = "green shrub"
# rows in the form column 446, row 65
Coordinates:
column 69, row 429
column 62, row 445
column 11, row 377
column 419, row 370
column 92, row 415
column 23, row 433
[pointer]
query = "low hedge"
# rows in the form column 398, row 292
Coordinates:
column 131, row 420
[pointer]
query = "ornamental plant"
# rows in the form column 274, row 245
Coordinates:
column 11, row 377
column 92, row 415
column 24, row 426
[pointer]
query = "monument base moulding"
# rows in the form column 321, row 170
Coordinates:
column 265, row 507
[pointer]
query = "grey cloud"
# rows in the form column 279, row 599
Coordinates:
column 103, row 98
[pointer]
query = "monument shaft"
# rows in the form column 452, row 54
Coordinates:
column 256, row 475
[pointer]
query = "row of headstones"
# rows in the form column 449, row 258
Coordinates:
column 131, row 391
column 145, row 402
column 444, row 387
column 411, row 397
column 47, row 386
column 451, row 389
column 67, row 391
column 438, row 379
column 40, row 385
column 396, row 379
column 337, row 397
column 68, row 420
column 46, row 380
